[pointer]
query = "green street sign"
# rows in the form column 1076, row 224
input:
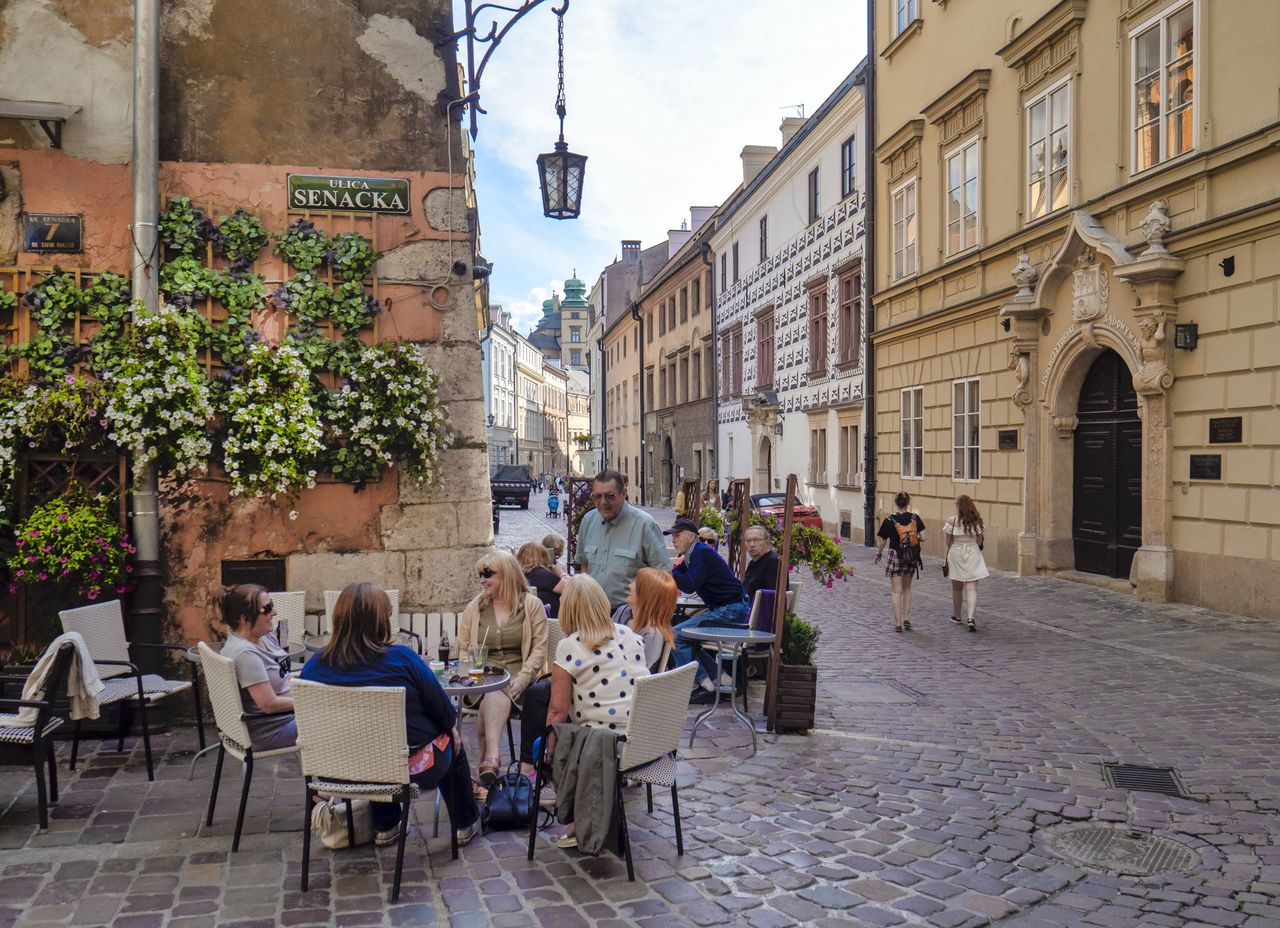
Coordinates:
column 349, row 194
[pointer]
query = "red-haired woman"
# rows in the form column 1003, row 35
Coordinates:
column 965, row 563
column 651, row 602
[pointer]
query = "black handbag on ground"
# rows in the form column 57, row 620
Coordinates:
column 510, row 801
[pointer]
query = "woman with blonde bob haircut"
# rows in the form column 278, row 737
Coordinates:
column 651, row 602
column 596, row 666
column 509, row 621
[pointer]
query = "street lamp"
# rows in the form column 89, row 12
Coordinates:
column 560, row 172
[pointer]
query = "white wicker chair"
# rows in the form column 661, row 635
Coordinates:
column 331, row 599
column 291, row 609
column 228, row 714
column 647, row 750
column 555, row 635
column 355, row 745
column 102, row 627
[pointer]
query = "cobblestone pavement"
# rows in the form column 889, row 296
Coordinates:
column 944, row 768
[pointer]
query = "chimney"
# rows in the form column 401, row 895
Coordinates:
column 698, row 215
column 790, row 126
column 754, row 158
column 630, row 251
column 676, row 239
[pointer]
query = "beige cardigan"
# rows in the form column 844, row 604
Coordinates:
column 533, row 636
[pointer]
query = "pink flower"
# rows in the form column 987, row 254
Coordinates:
column 122, row 589
column 13, row 587
column 43, row 575
column 132, row 549
column 93, row 593
column 20, row 573
column 62, row 517
column 20, row 541
column 47, row 548
column 128, row 568
column 31, row 558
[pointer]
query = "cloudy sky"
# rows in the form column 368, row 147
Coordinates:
column 662, row 95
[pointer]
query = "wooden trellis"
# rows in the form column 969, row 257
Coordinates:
column 577, row 500
column 738, row 513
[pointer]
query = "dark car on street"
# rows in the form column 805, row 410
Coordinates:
column 774, row 504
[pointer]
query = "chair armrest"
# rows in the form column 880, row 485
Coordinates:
column 25, row 704
column 133, row 668
column 244, row 716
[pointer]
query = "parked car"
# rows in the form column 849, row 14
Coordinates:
column 510, row 484
column 774, row 504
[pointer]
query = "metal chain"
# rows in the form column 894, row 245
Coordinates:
column 560, row 106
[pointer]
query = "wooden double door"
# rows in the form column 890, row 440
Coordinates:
column 1107, row 491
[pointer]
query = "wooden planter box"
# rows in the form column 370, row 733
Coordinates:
column 797, row 697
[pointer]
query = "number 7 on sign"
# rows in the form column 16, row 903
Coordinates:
column 53, row 229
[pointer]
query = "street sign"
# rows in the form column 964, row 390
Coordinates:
column 52, row 233
column 349, row 194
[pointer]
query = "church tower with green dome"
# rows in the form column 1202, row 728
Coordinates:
column 561, row 333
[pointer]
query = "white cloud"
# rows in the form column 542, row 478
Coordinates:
column 662, row 95
column 525, row 313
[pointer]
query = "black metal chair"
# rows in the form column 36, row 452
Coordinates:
column 32, row 745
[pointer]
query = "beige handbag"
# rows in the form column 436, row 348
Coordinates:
column 329, row 822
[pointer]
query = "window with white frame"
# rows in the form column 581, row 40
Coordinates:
column 913, row 432
column 965, row 429
column 904, row 230
column 1163, row 52
column 904, row 14
column 849, row 450
column 962, row 198
column 1049, row 151
column 848, row 166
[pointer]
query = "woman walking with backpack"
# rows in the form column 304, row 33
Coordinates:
column 965, row 563
column 902, row 533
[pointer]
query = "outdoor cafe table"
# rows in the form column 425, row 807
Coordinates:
column 727, row 640
column 455, row 691
column 687, row 605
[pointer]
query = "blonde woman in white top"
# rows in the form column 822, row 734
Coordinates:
column 965, row 563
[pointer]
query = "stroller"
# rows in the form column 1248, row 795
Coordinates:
column 553, row 506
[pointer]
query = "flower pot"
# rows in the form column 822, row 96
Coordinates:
column 797, row 697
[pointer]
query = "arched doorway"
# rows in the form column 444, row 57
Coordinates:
column 764, row 467
column 1106, row 523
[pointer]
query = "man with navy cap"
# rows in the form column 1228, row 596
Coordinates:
column 699, row 569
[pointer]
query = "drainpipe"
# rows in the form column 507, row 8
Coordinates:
column 603, row 463
column 710, row 261
column 147, row 612
column 869, row 278
column 635, row 314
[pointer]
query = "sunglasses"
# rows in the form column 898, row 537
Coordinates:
column 486, row 573
column 268, row 608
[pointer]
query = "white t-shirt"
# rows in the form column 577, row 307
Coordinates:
column 603, row 678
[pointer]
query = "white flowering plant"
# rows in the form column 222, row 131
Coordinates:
column 386, row 411
column 157, row 396
column 273, row 434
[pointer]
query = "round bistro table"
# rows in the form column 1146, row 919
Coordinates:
column 727, row 641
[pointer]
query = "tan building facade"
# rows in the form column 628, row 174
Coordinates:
column 1064, row 190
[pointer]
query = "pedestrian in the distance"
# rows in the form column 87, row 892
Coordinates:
column 902, row 533
column 965, row 563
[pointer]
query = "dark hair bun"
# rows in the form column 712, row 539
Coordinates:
column 903, row 499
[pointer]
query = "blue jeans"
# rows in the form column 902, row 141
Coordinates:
column 734, row 615
column 452, row 775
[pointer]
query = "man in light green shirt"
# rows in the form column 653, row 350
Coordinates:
column 616, row 539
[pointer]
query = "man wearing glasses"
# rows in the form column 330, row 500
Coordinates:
column 616, row 539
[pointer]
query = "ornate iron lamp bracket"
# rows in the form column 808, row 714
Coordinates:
column 492, row 38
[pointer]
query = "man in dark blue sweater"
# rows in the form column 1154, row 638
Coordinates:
column 699, row 569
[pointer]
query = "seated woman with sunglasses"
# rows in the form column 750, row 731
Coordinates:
column 510, row 622
column 360, row 653
column 262, row 666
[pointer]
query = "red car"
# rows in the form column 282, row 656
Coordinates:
column 773, row 504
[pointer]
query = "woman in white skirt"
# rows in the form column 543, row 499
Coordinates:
column 965, row 564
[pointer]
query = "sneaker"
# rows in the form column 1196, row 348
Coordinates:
column 701, row 697
column 973, row 626
column 548, row 798
column 385, row 838
column 466, row 834
column 955, row 620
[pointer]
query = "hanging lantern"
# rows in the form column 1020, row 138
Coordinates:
column 560, row 172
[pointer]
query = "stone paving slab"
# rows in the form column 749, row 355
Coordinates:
column 942, row 767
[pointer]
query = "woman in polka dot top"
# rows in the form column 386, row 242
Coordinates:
column 597, row 662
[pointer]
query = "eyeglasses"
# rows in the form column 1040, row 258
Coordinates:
column 604, row 497
column 486, row 573
column 269, row 608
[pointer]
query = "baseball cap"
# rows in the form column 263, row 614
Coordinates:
column 682, row 525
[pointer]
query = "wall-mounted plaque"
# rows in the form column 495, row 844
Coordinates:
column 1206, row 467
column 1228, row 430
column 349, row 194
column 1008, row 439
column 52, row 233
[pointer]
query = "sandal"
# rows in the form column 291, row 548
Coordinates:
column 973, row 626
column 488, row 775
column 897, row 628
column 565, row 841
column 906, row 625
column 955, row 620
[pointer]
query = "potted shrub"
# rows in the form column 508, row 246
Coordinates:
column 797, row 677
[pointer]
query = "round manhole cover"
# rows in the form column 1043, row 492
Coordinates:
column 1120, row 850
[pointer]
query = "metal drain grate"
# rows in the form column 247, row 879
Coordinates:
column 1148, row 779
column 1118, row 850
